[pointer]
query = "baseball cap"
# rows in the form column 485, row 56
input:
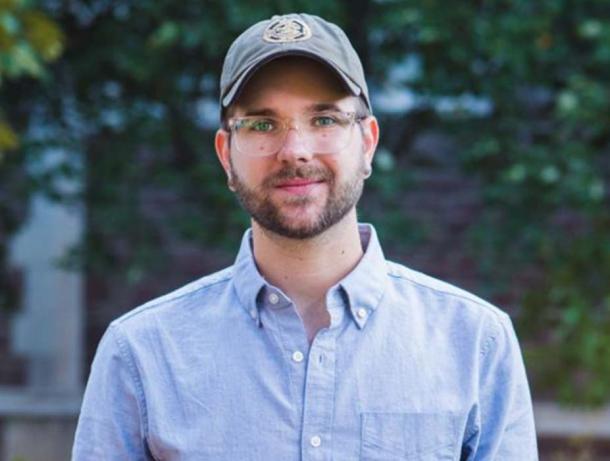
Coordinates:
column 295, row 34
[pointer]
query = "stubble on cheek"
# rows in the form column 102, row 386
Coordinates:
column 264, row 204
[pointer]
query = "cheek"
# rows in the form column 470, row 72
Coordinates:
column 347, row 164
column 336, row 162
column 248, row 170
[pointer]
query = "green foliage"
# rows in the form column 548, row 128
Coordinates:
column 541, row 154
column 28, row 39
column 381, row 204
column 573, row 301
column 131, row 99
column 142, row 77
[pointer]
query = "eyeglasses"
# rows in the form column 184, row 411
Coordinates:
column 325, row 132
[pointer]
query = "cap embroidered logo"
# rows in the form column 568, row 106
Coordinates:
column 285, row 30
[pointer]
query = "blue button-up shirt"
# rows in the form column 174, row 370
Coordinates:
column 410, row 368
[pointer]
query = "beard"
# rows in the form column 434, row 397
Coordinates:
column 342, row 197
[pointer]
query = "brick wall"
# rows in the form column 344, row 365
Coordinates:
column 12, row 368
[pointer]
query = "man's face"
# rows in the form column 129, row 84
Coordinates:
column 297, row 193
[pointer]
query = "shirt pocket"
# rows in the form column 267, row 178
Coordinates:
column 408, row 436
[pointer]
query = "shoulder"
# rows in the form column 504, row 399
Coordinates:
column 447, row 305
column 426, row 285
column 196, row 294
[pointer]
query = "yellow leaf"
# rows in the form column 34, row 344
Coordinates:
column 6, row 41
column 10, row 4
column 43, row 34
column 8, row 138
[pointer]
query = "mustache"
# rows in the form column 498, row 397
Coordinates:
column 312, row 172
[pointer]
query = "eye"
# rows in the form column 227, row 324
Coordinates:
column 261, row 125
column 323, row 121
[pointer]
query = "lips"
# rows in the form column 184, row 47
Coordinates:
column 298, row 182
column 298, row 186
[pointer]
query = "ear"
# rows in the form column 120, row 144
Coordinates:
column 222, row 143
column 370, row 138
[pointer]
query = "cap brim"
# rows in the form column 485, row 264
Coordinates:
column 239, row 84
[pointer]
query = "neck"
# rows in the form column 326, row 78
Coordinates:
column 306, row 269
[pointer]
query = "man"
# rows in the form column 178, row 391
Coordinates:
column 311, row 346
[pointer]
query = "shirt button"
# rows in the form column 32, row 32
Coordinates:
column 315, row 441
column 298, row 356
column 361, row 313
column 273, row 298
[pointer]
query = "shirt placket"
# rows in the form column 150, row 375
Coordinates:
column 319, row 393
column 312, row 370
column 285, row 324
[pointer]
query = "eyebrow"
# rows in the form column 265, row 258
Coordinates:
column 323, row 106
column 312, row 108
column 252, row 112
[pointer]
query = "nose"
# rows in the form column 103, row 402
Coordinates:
column 295, row 147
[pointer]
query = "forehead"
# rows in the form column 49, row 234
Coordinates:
column 287, row 81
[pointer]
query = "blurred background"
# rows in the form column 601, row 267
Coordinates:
column 493, row 173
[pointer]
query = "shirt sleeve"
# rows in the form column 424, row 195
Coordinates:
column 504, row 427
column 111, row 424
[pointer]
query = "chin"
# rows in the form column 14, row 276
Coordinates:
column 297, row 233
column 299, row 230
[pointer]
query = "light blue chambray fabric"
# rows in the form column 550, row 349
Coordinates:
column 410, row 368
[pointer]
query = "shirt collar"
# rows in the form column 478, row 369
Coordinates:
column 247, row 279
column 364, row 285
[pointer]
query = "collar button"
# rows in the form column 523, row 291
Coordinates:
column 274, row 298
